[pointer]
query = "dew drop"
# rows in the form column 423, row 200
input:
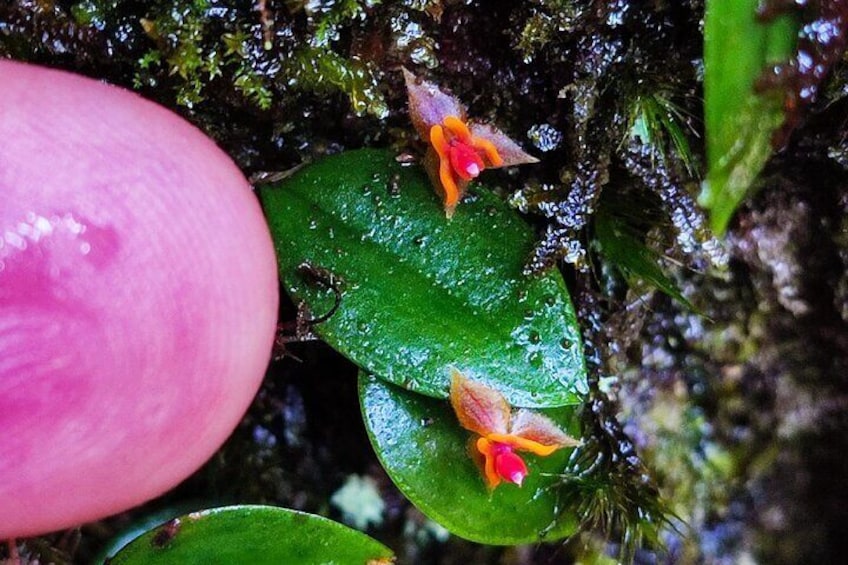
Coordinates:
column 394, row 186
column 535, row 360
column 409, row 383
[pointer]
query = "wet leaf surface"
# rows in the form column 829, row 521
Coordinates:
column 425, row 452
column 421, row 294
column 251, row 534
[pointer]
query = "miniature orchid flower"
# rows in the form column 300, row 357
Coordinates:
column 485, row 412
column 458, row 150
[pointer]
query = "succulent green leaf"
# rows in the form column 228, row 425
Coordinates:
column 425, row 452
column 738, row 48
column 421, row 294
column 252, row 534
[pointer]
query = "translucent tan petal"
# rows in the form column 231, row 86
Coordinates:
column 510, row 152
column 480, row 409
column 535, row 427
column 429, row 105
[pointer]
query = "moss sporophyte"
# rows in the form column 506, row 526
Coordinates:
column 458, row 150
column 501, row 432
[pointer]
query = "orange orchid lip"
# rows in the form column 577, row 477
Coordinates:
column 460, row 156
column 523, row 444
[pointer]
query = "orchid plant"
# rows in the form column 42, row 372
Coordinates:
column 397, row 334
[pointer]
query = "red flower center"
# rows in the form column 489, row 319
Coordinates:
column 460, row 157
column 464, row 159
column 508, row 465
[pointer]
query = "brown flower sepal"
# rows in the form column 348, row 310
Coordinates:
column 458, row 150
column 486, row 413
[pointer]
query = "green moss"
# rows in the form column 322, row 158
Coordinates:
column 551, row 19
column 197, row 42
column 328, row 16
column 319, row 69
column 84, row 13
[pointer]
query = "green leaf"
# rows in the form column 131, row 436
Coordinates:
column 139, row 526
column 425, row 452
column 251, row 534
column 739, row 122
column 629, row 254
column 420, row 293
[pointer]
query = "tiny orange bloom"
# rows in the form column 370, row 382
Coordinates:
column 460, row 156
column 458, row 150
column 485, row 412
